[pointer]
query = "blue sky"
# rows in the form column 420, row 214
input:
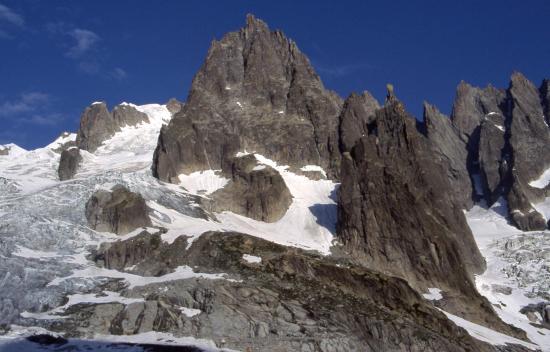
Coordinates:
column 56, row 57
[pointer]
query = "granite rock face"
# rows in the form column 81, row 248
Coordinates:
column 493, row 156
column 68, row 163
column 357, row 113
column 393, row 200
column 290, row 301
column 255, row 191
column 395, row 215
column 508, row 140
column 545, row 98
column 119, row 211
column 97, row 124
column 529, row 134
column 127, row 115
column 522, row 213
column 257, row 92
column 472, row 104
column 451, row 151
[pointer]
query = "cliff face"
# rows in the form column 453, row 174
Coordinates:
column 257, row 92
column 508, row 140
column 97, row 124
column 394, row 209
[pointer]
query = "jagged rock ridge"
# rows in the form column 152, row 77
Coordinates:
column 508, row 140
column 257, row 92
column 97, row 124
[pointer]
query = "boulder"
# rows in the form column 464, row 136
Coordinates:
column 119, row 211
column 68, row 163
column 255, row 91
column 255, row 191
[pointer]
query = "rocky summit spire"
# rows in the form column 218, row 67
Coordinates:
column 257, row 92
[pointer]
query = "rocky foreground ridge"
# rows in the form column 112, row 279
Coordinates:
column 401, row 231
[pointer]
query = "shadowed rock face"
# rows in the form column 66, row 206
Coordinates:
column 508, row 142
column 529, row 134
column 68, row 163
column 255, row 191
column 119, row 211
column 493, row 158
column 395, row 215
column 394, row 210
column 472, row 104
column 358, row 111
column 255, row 91
column 97, row 124
column 522, row 213
column 451, row 151
column 545, row 98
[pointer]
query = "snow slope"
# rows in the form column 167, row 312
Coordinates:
column 517, row 267
column 46, row 240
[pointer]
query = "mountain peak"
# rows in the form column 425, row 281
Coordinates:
column 254, row 24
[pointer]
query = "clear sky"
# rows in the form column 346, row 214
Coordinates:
column 56, row 57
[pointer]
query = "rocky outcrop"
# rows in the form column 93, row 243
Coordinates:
column 68, row 163
column 493, row 156
column 64, row 142
column 545, row 98
column 256, row 191
column 520, row 208
column 174, row 106
column 529, row 134
column 451, row 151
column 290, row 301
column 395, row 215
column 393, row 201
column 470, row 108
column 120, row 255
column 255, row 91
column 357, row 113
column 97, row 124
column 508, row 140
column 471, row 104
column 127, row 115
column 119, row 211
